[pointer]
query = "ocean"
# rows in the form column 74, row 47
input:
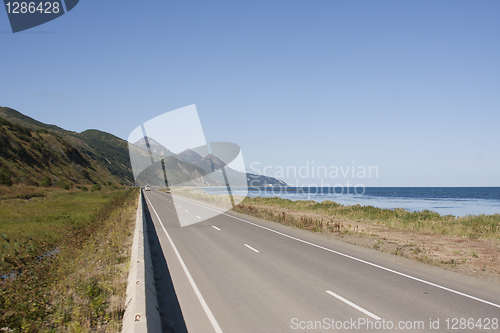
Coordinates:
column 457, row 201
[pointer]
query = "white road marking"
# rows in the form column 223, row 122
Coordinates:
column 353, row 258
column 190, row 278
column 357, row 307
column 251, row 248
column 215, row 227
column 198, row 217
column 187, row 211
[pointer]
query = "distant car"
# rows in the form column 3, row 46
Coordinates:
column 147, row 188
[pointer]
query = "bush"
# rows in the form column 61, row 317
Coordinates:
column 5, row 177
column 84, row 189
column 95, row 187
column 46, row 182
column 63, row 184
column 32, row 182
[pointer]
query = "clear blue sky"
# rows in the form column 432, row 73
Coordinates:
column 412, row 87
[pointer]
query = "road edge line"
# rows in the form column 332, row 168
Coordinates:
column 357, row 307
column 204, row 305
column 354, row 258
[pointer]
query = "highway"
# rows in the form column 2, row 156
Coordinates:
column 235, row 273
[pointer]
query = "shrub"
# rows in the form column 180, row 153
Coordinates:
column 63, row 184
column 46, row 182
column 5, row 177
column 95, row 187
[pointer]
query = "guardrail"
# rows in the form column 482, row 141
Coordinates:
column 141, row 313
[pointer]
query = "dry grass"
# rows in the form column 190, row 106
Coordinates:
column 480, row 226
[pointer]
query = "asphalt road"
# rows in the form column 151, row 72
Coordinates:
column 235, row 273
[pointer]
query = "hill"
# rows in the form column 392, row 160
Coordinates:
column 108, row 150
column 18, row 118
column 190, row 156
column 156, row 148
column 210, row 163
column 105, row 157
column 178, row 172
column 41, row 158
column 190, row 168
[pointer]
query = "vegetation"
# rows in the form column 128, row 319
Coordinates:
column 108, row 151
column 63, row 262
column 5, row 177
column 96, row 187
column 41, row 158
column 46, row 182
column 481, row 226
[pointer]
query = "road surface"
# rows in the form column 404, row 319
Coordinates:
column 235, row 273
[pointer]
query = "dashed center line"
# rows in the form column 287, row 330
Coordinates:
column 189, row 277
column 351, row 257
column 357, row 307
column 187, row 211
column 251, row 248
column 215, row 227
column 198, row 217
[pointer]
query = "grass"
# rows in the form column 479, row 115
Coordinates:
column 480, row 226
column 66, row 257
column 39, row 222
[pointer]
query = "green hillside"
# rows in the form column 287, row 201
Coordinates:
column 44, row 159
column 110, row 151
column 23, row 120
column 106, row 149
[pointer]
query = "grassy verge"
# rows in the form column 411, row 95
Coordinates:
column 65, row 256
column 480, row 226
column 473, row 227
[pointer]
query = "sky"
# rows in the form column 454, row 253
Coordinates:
column 409, row 88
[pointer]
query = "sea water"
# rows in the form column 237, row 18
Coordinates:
column 457, row 201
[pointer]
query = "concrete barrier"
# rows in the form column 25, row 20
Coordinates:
column 141, row 312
